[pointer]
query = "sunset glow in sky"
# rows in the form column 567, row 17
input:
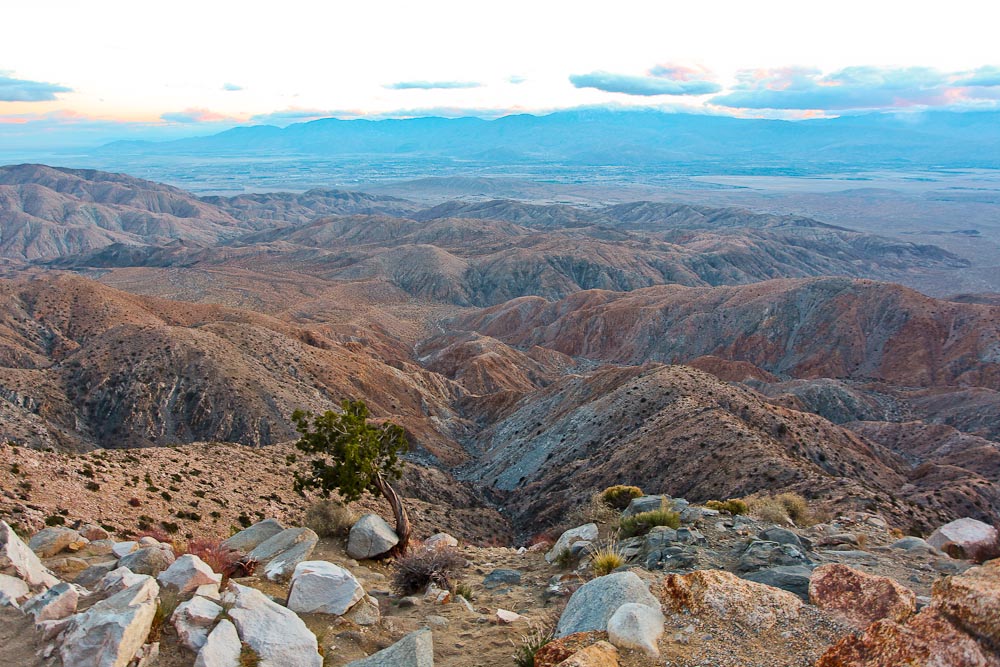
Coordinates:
column 195, row 67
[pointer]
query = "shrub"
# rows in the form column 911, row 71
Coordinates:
column 781, row 509
column 216, row 556
column 642, row 523
column 54, row 520
column 463, row 589
column 134, row 502
column 166, row 604
column 531, row 643
column 329, row 518
column 93, row 486
column 593, row 511
column 734, row 506
column 607, row 559
column 619, row 496
column 423, row 566
column 564, row 559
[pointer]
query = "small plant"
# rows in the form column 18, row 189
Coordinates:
column 606, row 559
column 734, row 506
column 531, row 643
column 244, row 520
column 93, row 486
column 564, row 559
column 166, row 496
column 134, row 502
column 463, row 589
column 423, row 566
column 643, row 522
column 166, row 604
column 54, row 520
column 329, row 518
column 620, row 495
column 783, row 508
column 216, row 556
column 249, row 657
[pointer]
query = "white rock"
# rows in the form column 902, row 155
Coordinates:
column 58, row 602
column 122, row 549
column 283, row 542
column 188, row 573
column 222, row 648
column 54, row 540
column 971, row 535
column 111, row 632
column 586, row 532
column 18, row 560
column 638, row 627
column 15, row 589
column 210, row 591
column 148, row 541
column 277, row 634
column 323, row 588
column 414, row 650
column 247, row 539
column 441, row 539
column 193, row 620
column 370, row 536
column 119, row 579
column 281, row 567
column 592, row 605
column 365, row 612
column 505, row 616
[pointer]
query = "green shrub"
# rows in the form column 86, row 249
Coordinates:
column 564, row 559
column 642, row 523
column 619, row 496
column 734, row 506
column 463, row 589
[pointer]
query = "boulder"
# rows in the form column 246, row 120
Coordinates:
column 370, row 537
column 15, row 589
column 119, row 579
column 791, row 578
column 967, row 538
column 501, row 577
column 210, row 591
column 725, row 596
column 365, row 612
column 222, row 647
column 860, row 598
column 51, row 541
column 784, row 536
column 282, row 542
column 93, row 574
column 441, row 539
column 93, row 532
column 638, row 627
column 323, row 588
column 193, row 620
column 913, row 545
column 248, row 539
column 601, row 654
column 18, row 560
column 56, row 603
column 277, row 634
column 972, row 600
column 110, row 632
column 122, row 549
column 646, row 504
column 760, row 554
column 414, row 650
column 99, row 548
column 672, row 558
column 187, row 573
column 281, row 567
column 584, row 533
column 149, row 560
column 556, row 651
column 593, row 604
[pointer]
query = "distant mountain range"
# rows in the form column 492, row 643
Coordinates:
column 626, row 137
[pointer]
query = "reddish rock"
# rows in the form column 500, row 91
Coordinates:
column 928, row 640
column 558, row 650
column 860, row 598
column 601, row 654
column 723, row 594
column 972, row 601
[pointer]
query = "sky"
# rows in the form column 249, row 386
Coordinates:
column 83, row 73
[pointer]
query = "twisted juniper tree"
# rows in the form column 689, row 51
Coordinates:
column 355, row 456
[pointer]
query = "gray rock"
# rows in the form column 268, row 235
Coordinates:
column 276, row 633
column 501, row 577
column 18, row 560
column 193, row 621
column 248, row 539
column 323, row 588
column 56, row 603
column 913, row 544
column 51, row 541
column 690, row 536
column 122, row 549
column 659, row 537
column 584, row 533
column 791, row 578
column 672, row 558
column 760, row 554
column 365, row 612
column 282, row 542
column 281, row 567
column 637, row 627
column 95, row 573
column 149, row 560
column 414, row 650
column 110, row 633
column 187, row 573
column 784, row 536
column 370, row 537
column 646, row 504
column 593, row 604
column 222, row 647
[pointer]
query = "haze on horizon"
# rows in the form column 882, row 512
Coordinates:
column 113, row 70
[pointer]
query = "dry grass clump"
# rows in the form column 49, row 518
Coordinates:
column 425, row 565
column 594, row 511
column 166, row 605
column 734, row 506
column 606, row 559
column 642, row 523
column 531, row 643
column 330, row 518
column 783, row 508
column 620, row 495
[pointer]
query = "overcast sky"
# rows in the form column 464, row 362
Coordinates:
column 84, row 69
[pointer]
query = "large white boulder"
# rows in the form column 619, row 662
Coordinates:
column 277, row 634
column 593, row 604
column 193, row 620
column 370, row 537
column 638, row 627
column 13, row 588
column 972, row 536
column 222, row 648
column 414, row 650
column 119, row 579
column 58, row 602
column 584, row 533
column 149, row 560
column 247, row 540
column 109, row 633
column 281, row 567
column 324, row 588
column 188, row 573
column 17, row 560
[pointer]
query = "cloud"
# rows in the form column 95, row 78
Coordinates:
column 231, row 87
column 856, row 88
column 22, row 90
column 196, row 116
column 515, row 79
column 660, row 80
column 432, row 85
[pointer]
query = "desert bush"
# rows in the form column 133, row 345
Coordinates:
column 166, row 604
column 594, row 510
column 54, row 520
column 463, row 589
column 216, row 556
column 531, row 643
column 620, row 495
column 248, row 656
column 423, row 566
column 564, row 559
column 781, row 509
column 329, row 518
column 606, row 559
column 642, row 523
column 734, row 506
